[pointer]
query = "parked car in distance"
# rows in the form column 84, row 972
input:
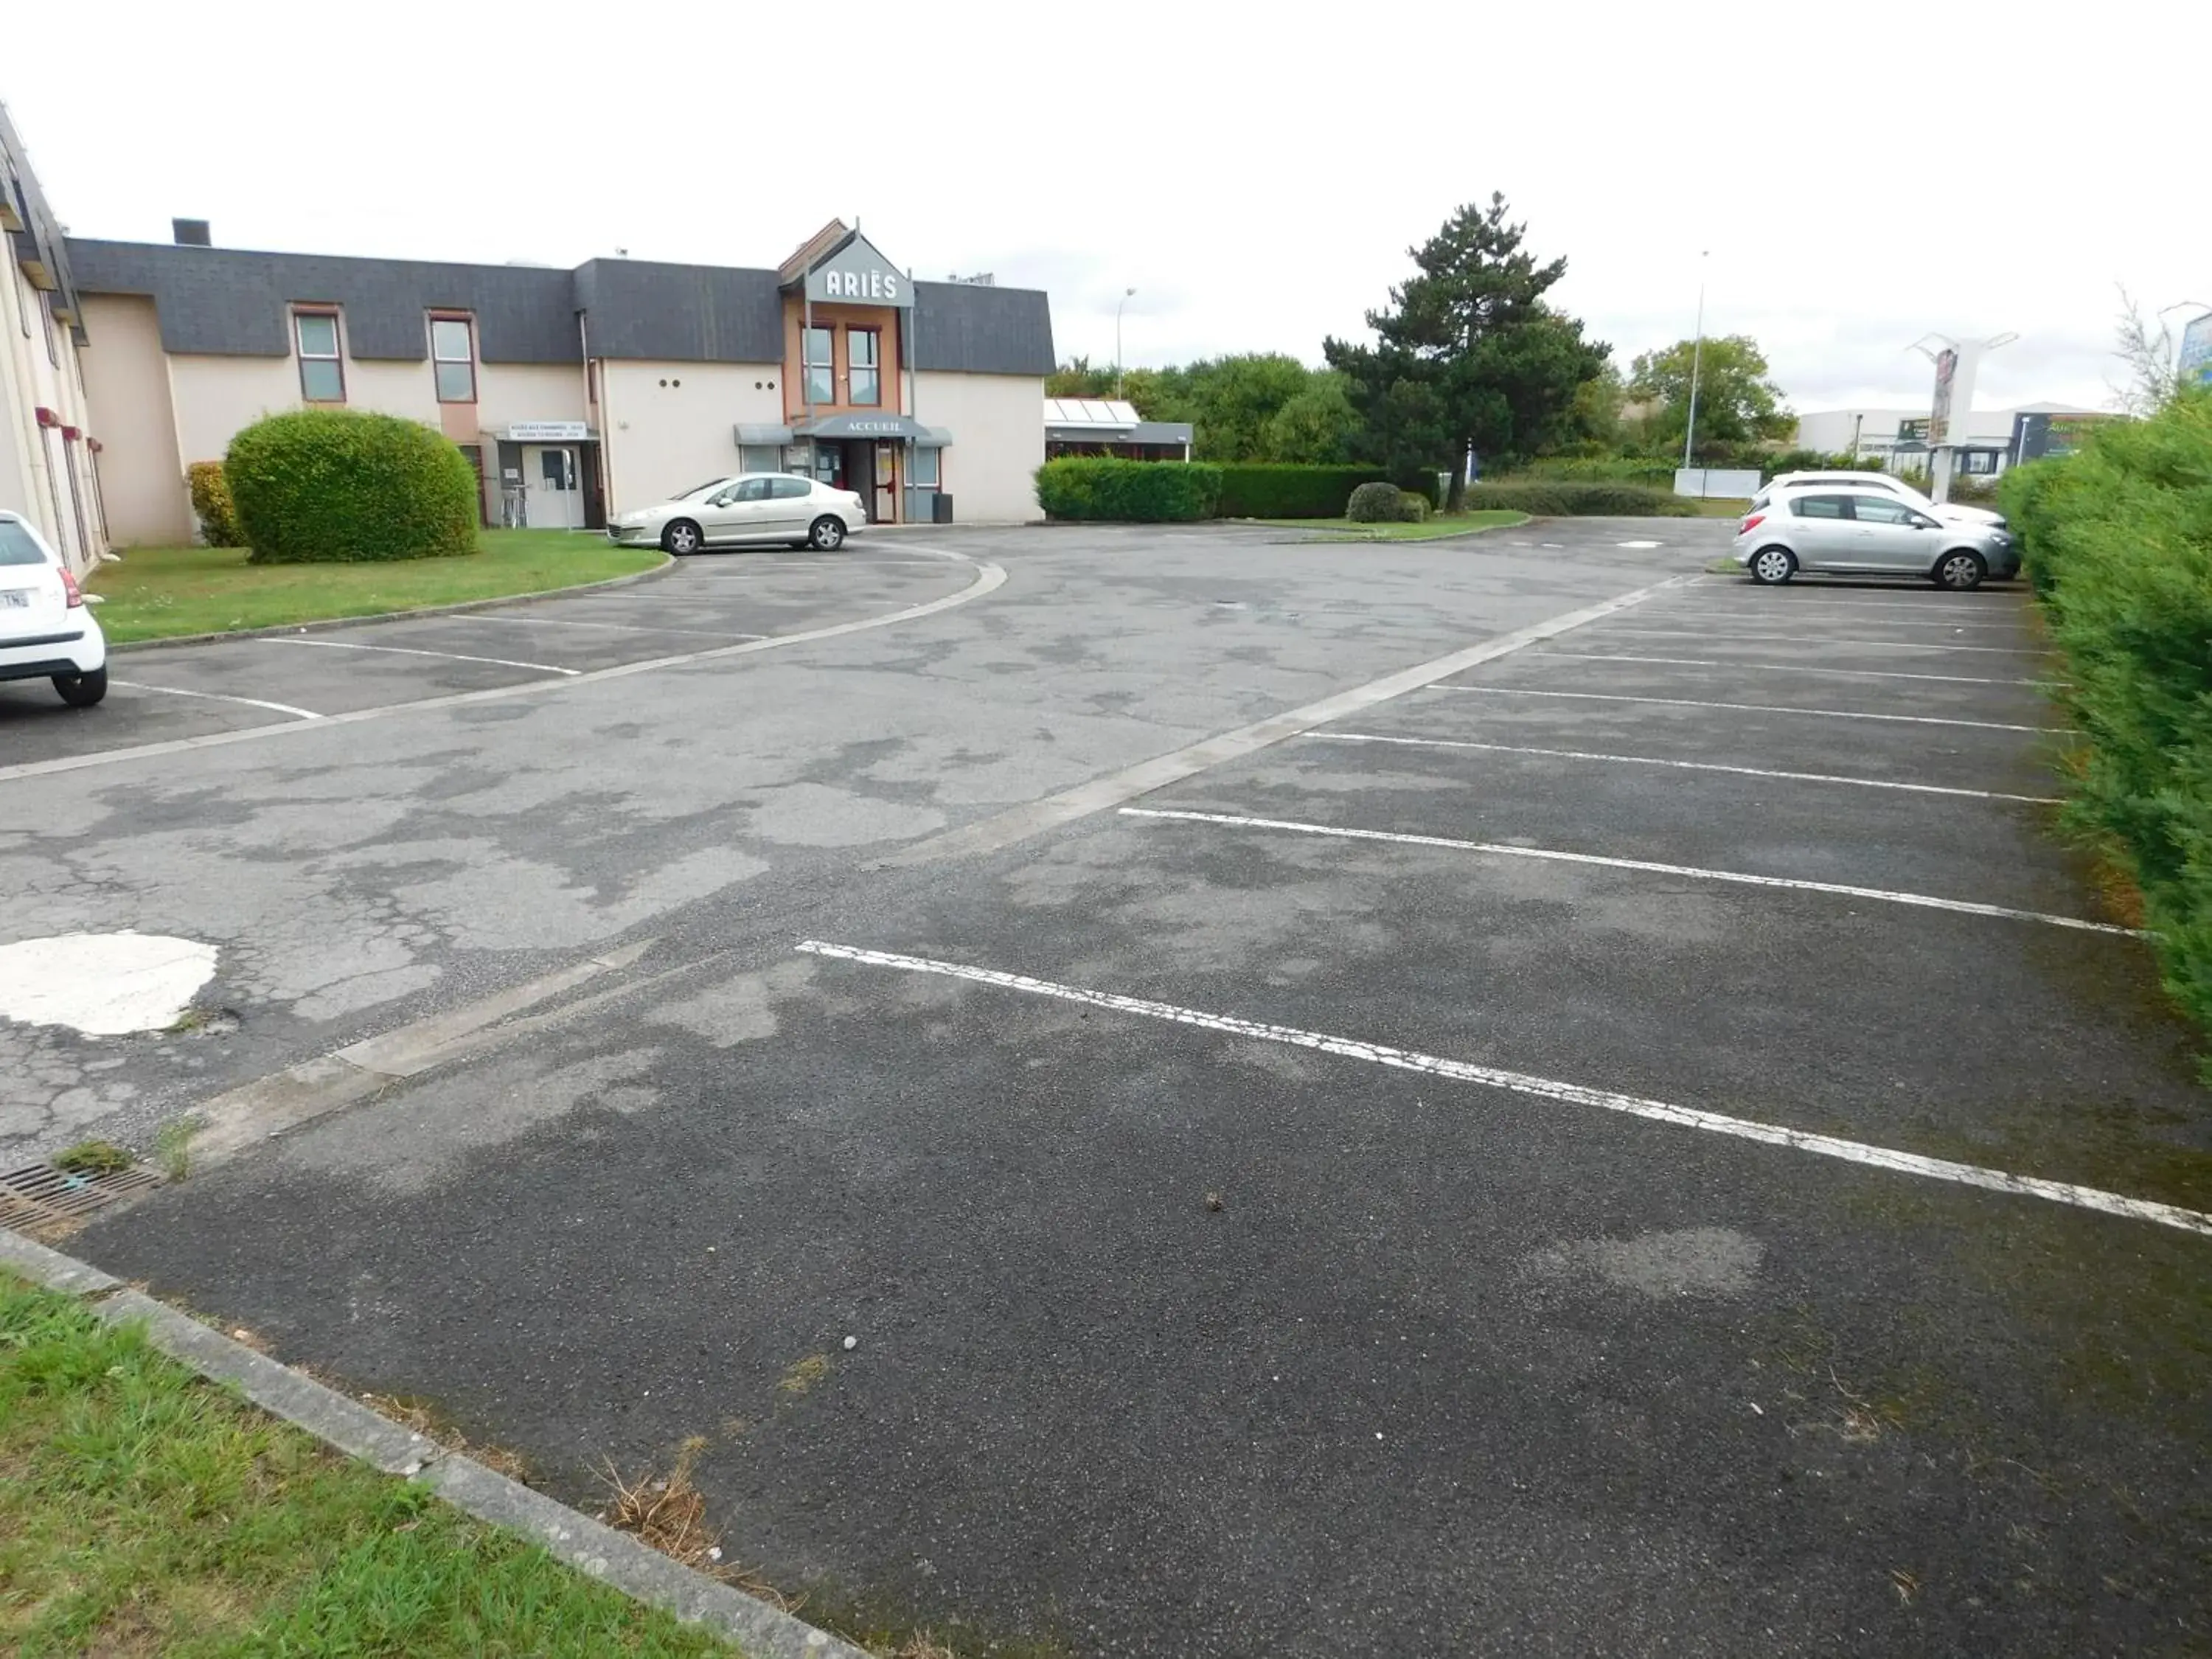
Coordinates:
column 47, row 632
column 1954, row 511
column 743, row 510
column 1867, row 532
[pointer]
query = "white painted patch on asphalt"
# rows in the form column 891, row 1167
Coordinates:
column 1786, row 668
column 1923, row 901
column 1686, row 765
column 1707, row 636
column 102, row 984
column 1636, row 544
column 220, row 696
column 1752, row 708
column 415, row 651
column 1547, row 1089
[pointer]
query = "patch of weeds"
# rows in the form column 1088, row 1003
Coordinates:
column 668, row 1513
column 432, row 1423
column 172, row 1147
column 803, row 1376
column 93, row 1158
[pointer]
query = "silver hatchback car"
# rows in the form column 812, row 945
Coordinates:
column 1869, row 533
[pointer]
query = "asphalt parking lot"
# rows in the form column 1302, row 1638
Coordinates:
column 1513, row 1098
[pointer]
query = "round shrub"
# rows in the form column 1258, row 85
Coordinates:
column 1375, row 503
column 1413, row 506
column 342, row 486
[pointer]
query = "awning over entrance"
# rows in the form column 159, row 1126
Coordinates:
column 872, row 426
column 748, row 433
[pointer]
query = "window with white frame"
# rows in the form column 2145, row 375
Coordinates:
column 322, row 374
column 928, row 469
column 454, row 359
column 821, row 369
column 864, row 375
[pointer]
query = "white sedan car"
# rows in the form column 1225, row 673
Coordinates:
column 46, row 629
column 748, row 508
column 1948, row 511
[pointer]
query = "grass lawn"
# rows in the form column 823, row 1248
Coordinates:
column 158, row 593
column 1457, row 524
column 145, row 1511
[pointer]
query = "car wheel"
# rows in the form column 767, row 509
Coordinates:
column 1961, row 570
column 828, row 534
column 682, row 536
column 1771, row 565
column 81, row 691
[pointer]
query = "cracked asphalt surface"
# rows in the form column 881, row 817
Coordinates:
column 1168, row 1336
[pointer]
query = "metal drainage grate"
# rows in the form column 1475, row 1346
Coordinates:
column 40, row 1195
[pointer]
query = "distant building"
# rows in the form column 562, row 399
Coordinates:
column 1897, row 438
column 1093, row 426
column 49, row 456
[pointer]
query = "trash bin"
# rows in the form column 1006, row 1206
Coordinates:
column 940, row 508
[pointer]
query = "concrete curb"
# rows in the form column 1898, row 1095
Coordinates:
column 591, row 1547
column 319, row 623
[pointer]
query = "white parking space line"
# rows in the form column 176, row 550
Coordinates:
column 1552, row 855
column 1785, row 668
column 1747, row 707
column 412, row 651
column 1682, row 765
column 1710, row 637
column 1820, row 608
column 619, row 628
column 1543, row 1088
column 1863, row 622
column 218, row 697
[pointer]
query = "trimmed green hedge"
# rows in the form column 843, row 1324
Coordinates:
column 1091, row 487
column 1264, row 490
column 2117, row 541
column 1562, row 498
column 1599, row 469
column 329, row 485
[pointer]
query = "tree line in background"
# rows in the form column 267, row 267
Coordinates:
column 1470, row 355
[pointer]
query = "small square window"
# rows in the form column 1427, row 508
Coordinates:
column 926, row 470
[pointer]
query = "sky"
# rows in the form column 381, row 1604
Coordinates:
column 1842, row 184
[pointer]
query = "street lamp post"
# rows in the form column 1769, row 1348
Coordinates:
column 1697, row 361
column 1127, row 293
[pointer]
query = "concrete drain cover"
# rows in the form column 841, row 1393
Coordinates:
column 38, row 1195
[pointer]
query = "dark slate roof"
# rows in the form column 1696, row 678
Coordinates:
column 682, row 313
column 231, row 302
column 973, row 330
column 41, row 237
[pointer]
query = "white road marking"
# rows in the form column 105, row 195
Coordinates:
column 1687, row 766
column 1748, row 708
column 1711, row 638
column 1921, row 901
column 1786, row 668
column 1867, row 622
column 1636, row 544
column 1547, row 1089
column 413, row 651
column 1005, row 829
column 217, row 696
column 619, row 628
column 988, row 579
column 1765, row 606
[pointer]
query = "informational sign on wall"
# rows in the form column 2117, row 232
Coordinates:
column 547, row 432
column 858, row 274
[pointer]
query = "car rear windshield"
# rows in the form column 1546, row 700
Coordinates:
column 16, row 546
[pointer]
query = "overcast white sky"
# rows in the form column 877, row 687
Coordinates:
column 1861, row 178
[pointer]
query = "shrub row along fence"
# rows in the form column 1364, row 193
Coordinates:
column 1100, row 488
column 2117, row 540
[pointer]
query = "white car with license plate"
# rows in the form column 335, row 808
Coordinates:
column 46, row 631
column 746, row 509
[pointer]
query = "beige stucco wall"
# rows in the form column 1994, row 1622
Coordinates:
column 997, row 422
column 38, row 371
column 660, row 438
column 213, row 397
column 126, row 382
column 508, row 393
column 387, row 388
